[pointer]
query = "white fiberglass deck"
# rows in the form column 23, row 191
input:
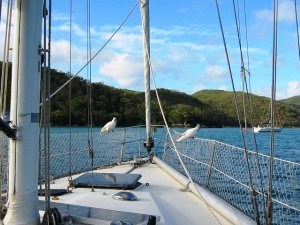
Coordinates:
column 162, row 198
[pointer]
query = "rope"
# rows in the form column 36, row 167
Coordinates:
column 274, row 72
column 94, row 56
column 169, row 133
column 255, row 207
column 173, row 143
column 297, row 28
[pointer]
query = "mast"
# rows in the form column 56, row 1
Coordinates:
column 24, row 115
column 146, row 32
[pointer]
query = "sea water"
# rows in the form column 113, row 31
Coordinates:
column 286, row 142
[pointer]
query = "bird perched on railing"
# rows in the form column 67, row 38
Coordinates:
column 189, row 133
column 109, row 126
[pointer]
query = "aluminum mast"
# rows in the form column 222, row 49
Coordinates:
column 24, row 115
column 146, row 33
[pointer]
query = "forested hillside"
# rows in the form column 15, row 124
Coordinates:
column 286, row 115
column 295, row 100
column 210, row 108
column 127, row 106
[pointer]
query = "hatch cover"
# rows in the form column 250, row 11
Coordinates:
column 108, row 180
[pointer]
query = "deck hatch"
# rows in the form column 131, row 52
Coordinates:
column 108, row 180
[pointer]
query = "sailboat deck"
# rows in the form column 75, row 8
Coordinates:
column 159, row 195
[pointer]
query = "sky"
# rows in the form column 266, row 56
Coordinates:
column 187, row 51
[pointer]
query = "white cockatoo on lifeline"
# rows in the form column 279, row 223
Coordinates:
column 109, row 126
column 189, row 133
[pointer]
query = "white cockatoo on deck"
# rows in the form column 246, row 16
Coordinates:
column 109, row 126
column 189, row 133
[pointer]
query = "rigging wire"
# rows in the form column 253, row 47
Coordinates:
column 255, row 146
column 274, row 74
column 15, row 119
column 97, row 53
column 247, row 44
column 49, row 77
column 89, row 90
column 5, row 63
column 45, row 110
column 244, row 72
column 43, row 123
column 297, row 27
column 251, row 186
column 70, row 94
column 4, row 78
column 1, row 10
column 168, row 129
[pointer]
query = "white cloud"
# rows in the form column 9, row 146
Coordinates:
column 286, row 91
column 76, row 29
column 58, row 16
column 215, row 73
column 127, row 42
column 125, row 70
column 61, row 55
column 182, row 30
column 224, row 88
column 198, row 88
column 293, row 88
column 285, row 9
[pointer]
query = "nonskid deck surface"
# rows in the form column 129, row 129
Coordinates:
column 158, row 195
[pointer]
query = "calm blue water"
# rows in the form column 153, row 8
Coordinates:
column 287, row 142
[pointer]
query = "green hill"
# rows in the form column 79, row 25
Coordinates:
column 129, row 107
column 211, row 108
column 293, row 100
column 286, row 114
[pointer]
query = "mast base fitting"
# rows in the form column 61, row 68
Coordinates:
column 149, row 145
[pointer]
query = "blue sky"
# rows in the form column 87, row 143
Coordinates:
column 187, row 51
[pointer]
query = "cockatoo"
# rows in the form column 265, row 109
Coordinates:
column 109, row 126
column 188, row 133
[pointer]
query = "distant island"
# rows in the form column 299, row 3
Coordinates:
column 210, row 108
